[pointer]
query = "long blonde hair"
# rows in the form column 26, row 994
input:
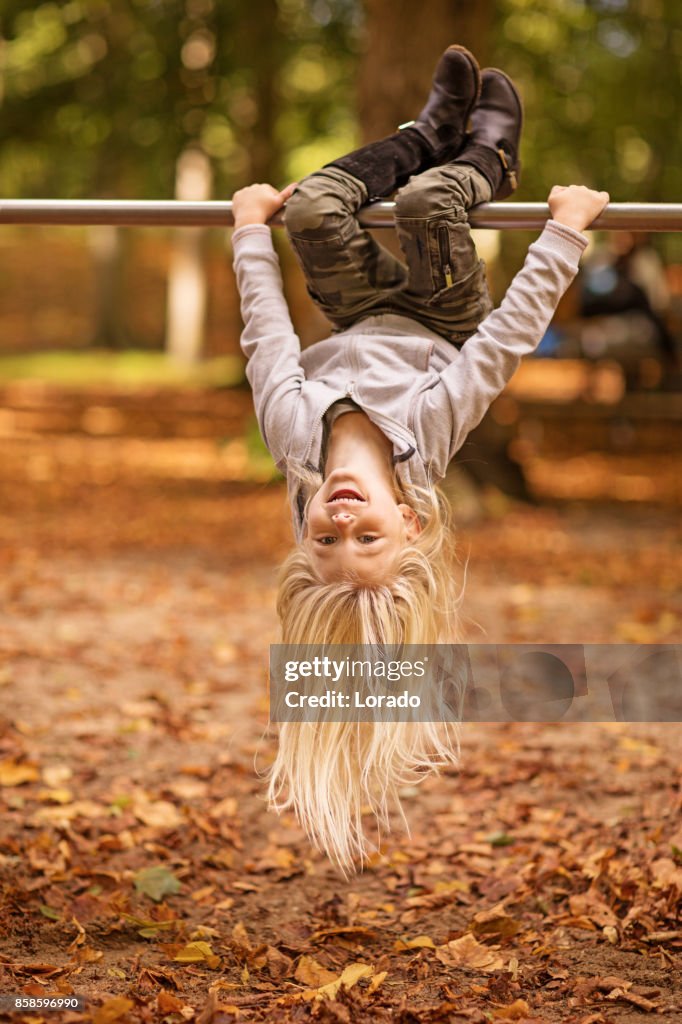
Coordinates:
column 331, row 773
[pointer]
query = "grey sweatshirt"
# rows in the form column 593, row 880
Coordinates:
column 422, row 392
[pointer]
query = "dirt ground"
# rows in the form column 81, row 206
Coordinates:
column 542, row 882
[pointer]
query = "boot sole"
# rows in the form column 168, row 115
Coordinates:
column 504, row 190
column 475, row 71
column 515, row 91
column 476, row 68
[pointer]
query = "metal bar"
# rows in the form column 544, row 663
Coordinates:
column 171, row 213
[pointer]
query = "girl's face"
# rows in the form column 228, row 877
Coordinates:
column 355, row 525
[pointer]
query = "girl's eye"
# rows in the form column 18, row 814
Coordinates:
column 367, row 538
column 326, row 540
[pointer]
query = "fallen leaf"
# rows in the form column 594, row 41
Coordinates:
column 467, row 952
column 87, row 955
column 200, row 895
column 156, row 882
column 618, row 994
column 112, row 1009
column 204, row 931
column 159, row 814
column 197, row 953
column 495, row 921
column 46, row 911
column 241, row 936
column 56, row 796
column 309, row 972
column 355, row 930
column 666, row 874
column 501, row 839
column 226, row 808
column 279, row 965
column 350, row 976
column 591, row 906
column 14, row 774
column 61, row 816
column 519, row 1008
column 168, row 1003
column 376, row 982
column 668, row 936
column 54, row 775
column 418, row 942
column 149, row 927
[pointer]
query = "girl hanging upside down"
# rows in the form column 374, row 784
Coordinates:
column 364, row 423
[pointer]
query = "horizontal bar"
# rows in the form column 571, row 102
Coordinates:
column 172, row 213
column 531, row 216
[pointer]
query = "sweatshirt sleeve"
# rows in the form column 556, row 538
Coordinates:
column 490, row 357
column 268, row 340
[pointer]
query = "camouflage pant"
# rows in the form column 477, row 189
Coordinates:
column 442, row 283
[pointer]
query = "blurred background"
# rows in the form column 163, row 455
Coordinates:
column 133, row 334
column 142, row 522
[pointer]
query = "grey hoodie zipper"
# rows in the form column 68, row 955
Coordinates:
column 313, row 433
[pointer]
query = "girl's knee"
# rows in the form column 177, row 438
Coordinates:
column 411, row 201
column 301, row 213
column 314, row 206
column 428, row 195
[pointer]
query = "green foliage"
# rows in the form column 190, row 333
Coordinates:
column 601, row 85
column 600, row 81
column 100, row 97
column 127, row 369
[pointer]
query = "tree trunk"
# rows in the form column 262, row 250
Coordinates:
column 261, row 46
column 107, row 250
column 403, row 41
column 186, row 302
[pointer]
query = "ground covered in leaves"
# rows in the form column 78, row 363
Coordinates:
column 139, row 866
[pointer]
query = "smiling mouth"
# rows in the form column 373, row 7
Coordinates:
column 346, row 495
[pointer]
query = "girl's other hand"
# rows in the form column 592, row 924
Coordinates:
column 256, row 204
column 576, row 206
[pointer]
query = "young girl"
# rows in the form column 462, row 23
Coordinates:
column 364, row 423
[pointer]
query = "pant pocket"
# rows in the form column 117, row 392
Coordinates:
column 464, row 294
column 326, row 266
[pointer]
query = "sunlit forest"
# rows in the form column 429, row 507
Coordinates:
column 143, row 523
column 148, row 100
column 102, row 98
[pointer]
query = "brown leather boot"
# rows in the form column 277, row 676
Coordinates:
column 433, row 138
column 492, row 145
column 455, row 88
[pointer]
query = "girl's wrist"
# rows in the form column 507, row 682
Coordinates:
column 242, row 220
column 245, row 213
column 576, row 223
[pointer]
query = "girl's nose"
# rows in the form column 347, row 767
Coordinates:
column 342, row 518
